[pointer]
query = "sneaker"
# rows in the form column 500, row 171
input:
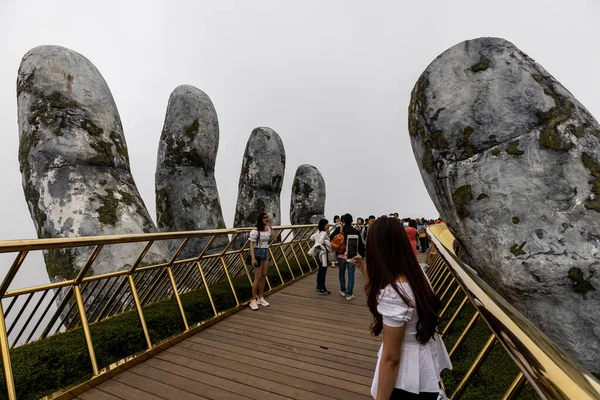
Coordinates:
column 263, row 302
column 317, row 289
column 253, row 305
column 351, row 297
column 342, row 293
column 322, row 292
column 326, row 291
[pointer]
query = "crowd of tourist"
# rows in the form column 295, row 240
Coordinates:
column 399, row 294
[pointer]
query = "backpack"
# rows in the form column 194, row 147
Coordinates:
column 338, row 244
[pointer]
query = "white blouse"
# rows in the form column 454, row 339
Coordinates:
column 260, row 239
column 420, row 364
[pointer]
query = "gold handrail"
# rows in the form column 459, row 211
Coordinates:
column 91, row 298
column 550, row 371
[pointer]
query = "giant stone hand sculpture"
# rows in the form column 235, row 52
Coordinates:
column 512, row 162
column 74, row 162
column 308, row 196
column 187, row 198
column 261, row 179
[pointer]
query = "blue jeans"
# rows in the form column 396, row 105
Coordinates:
column 343, row 265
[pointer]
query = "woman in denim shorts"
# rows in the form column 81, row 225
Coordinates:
column 259, row 251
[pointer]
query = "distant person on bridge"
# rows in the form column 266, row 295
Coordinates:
column 412, row 234
column 259, row 252
column 404, row 308
column 321, row 251
column 345, row 230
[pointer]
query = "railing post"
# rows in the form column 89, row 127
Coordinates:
column 86, row 328
column 138, row 306
column 212, row 303
column 276, row 267
column 6, row 364
column 485, row 351
column 229, row 279
column 174, row 285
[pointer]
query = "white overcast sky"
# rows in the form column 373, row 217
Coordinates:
column 333, row 78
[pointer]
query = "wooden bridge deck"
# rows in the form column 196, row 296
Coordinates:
column 304, row 346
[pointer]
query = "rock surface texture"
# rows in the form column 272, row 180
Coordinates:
column 308, row 196
column 261, row 179
column 187, row 198
column 512, row 162
column 74, row 162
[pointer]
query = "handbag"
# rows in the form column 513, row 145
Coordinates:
column 256, row 257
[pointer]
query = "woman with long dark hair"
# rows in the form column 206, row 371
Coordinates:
column 404, row 308
column 259, row 252
column 320, row 251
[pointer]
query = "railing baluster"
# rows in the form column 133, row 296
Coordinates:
column 86, row 328
column 515, row 387
column 177, row 298
column 276, row 267
column 230, row 282
column 31, row 315
column 6, row 363
column 449, row 302
column 452, row 281
column 464, row 333
column 56, row 293
column 455, row 315
column 206, row 288
column 485, row 351
column 138, row 306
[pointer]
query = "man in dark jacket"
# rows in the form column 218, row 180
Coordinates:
column 347, row 229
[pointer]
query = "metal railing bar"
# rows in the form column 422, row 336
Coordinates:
column 10, row 306
column 66, row 321
column 443, row 312
column 12, row 272
column 230, row 282
column 108, row 305
column 104, row 294
column 140, row 257
column 212, row 303
column 441, row 285
column 6, row 364
column 462, row 305
column 59, row 309
column 31, row 315
column 88, row 293
column 485, row 351
column 276, row 267
column 515, row 387
column 88, row 263
column 56, row 293
column 179, row 250
column 464, row 333
column 178, row 299
column 20, row 313
column 452, row 281
column 86, row 328
column 140, row 312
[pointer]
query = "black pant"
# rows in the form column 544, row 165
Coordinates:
column 321, row 275
column 399, row 394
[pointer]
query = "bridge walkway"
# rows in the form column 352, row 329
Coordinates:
column 304, row 346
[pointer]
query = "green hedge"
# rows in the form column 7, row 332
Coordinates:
column 43, row 367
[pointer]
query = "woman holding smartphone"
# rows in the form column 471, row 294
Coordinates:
column 259, row 252
column 404, row 308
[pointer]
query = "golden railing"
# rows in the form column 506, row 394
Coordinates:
column 26, row 314
column 541, row 364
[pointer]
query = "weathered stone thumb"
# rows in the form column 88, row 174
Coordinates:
column 308, row 196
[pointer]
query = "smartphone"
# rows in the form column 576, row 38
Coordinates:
column 351, row 247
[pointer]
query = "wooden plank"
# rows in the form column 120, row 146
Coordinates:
column 290, row 369
column 258, row 385
column 150, row 385
column 97, row 394
column 319, row 342
column 123, row 391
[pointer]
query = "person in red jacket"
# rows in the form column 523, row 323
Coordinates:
column 412, row 234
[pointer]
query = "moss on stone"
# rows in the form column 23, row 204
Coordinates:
column 163, row 209
column 107, row 212
column 517, row 250
column 193, row 128
column 91, row 127
column 516, row 220
column 482, row 196
column 550, row 137
column 463, row 143
column 580, row 285
column 593, row 202
column 482, row 65
column 461, row 197
column 258, row 207
column 61, row 263
column 513, row 148
column 120, row 146
column 496, row 151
